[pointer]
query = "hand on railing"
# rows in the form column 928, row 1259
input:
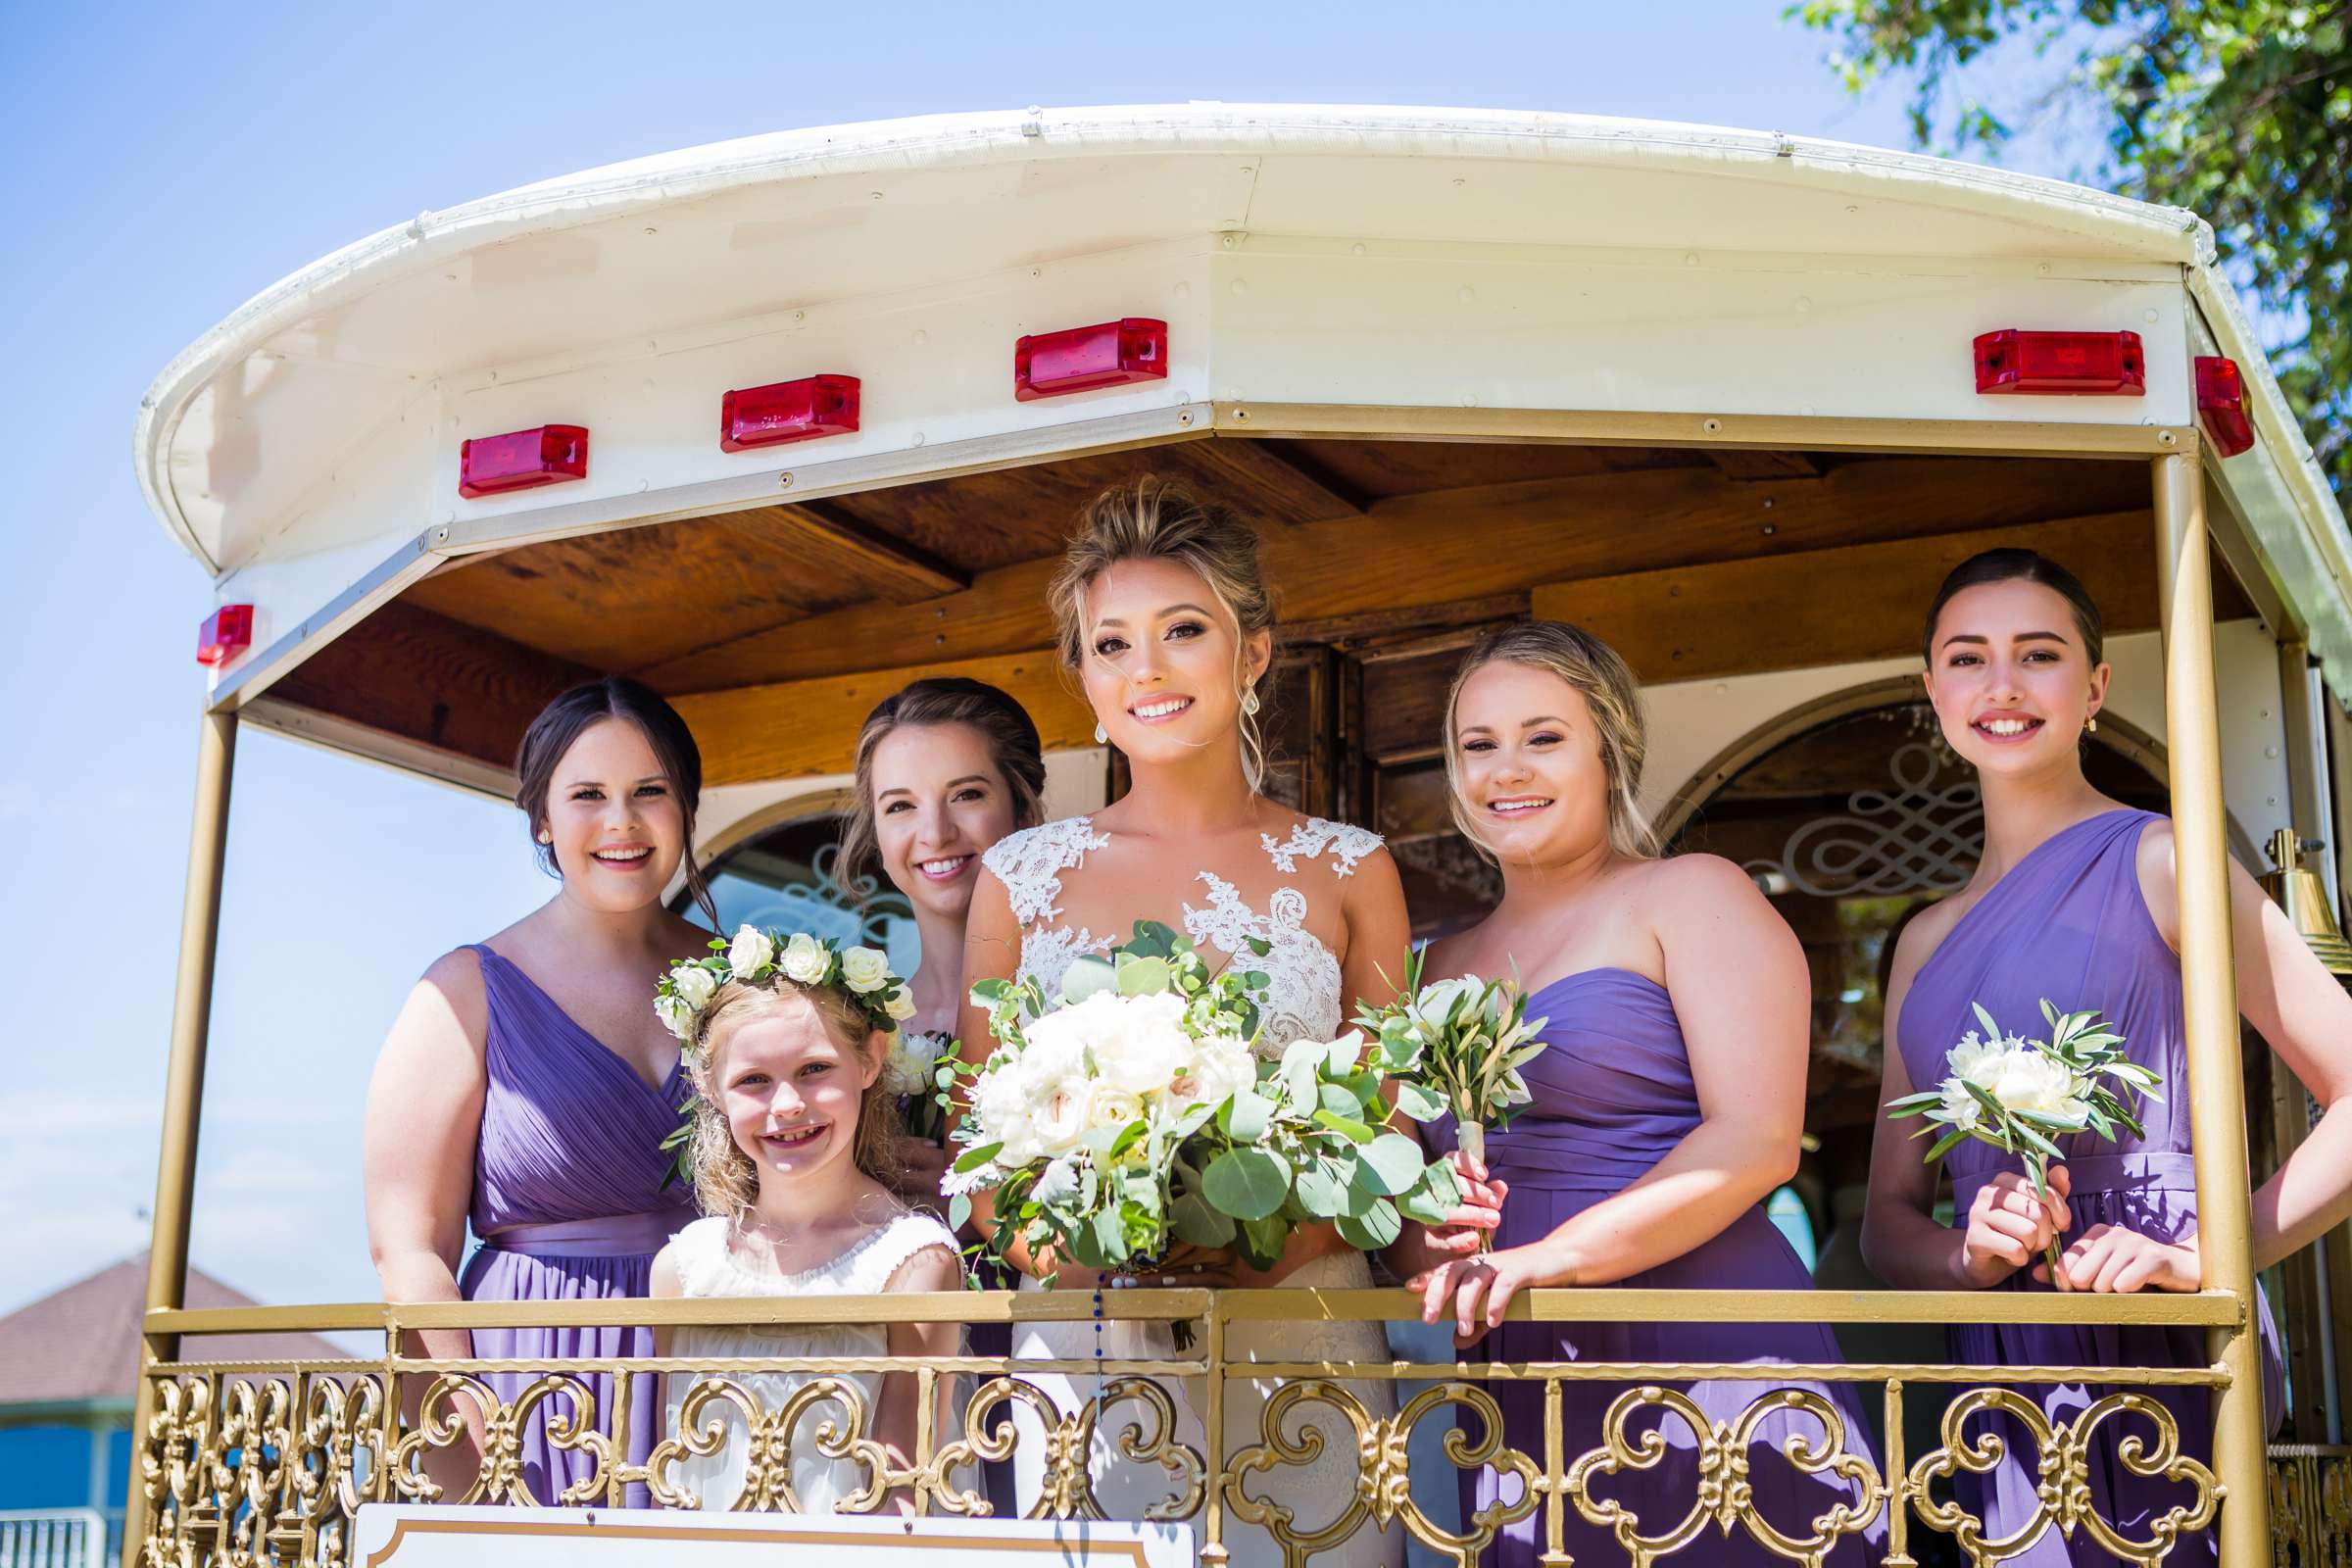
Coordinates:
column 2109, row 1257
column 2009, row 1225
column 1477, row 1291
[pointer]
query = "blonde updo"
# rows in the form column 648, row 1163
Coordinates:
column 727, row 1180
column 1152, row 520
column 1600, row 676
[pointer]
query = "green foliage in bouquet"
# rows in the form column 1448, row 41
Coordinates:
column 1456, row 1047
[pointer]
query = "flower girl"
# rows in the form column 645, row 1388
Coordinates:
column 792, row 1135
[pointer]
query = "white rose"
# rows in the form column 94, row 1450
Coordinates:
column 749, row 952
column 1109, row 1107
column 864, row 969
column 1221, row 1067
column 1060, row 1181
column 912, row 1058
column 1438, row 996
column 1151, row 1046
column 1001, row 1104
column 804, row 960
column 899, row 1007
column 693, row 983
column 1058, row 1117
column 676, row 1015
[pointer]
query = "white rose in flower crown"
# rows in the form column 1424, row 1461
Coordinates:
column 694, row 984
column 864, row 969
column 898, row 1007
column 803, row 961
column 676, row 1015
column 749, row 952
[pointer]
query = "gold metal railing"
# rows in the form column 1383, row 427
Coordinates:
column 247, row 1463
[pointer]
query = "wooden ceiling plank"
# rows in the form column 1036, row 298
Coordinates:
column 1443, row 547
column 1276, row 479
column 1774, row 613
column 904, row 573
column 1765, row 463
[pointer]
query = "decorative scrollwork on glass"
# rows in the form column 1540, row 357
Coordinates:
column 1726, row 1492
column 1921, row 836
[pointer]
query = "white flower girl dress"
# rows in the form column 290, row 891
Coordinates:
column 707, row 1267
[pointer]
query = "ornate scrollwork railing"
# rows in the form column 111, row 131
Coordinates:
column 250, row 1465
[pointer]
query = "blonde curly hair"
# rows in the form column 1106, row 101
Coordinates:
column 726, row 1179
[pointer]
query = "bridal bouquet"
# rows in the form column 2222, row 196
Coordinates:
column 1455, row 1046
column 1135, row 1113
column 2015, row 1094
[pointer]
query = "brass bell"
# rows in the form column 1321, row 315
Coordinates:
column 2304, row 897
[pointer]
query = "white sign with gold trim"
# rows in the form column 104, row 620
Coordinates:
column 404, row 1536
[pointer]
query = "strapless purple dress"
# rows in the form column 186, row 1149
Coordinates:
column 1612, row 1096
column 570, row 1205
column 2068, row 923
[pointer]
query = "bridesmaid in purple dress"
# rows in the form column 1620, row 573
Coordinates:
column 526, row 1086
column 1667, row 1108
column 2074, row 901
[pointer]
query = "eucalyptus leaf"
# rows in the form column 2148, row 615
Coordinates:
column 1395, row 1162
column 1246, row 1116
column 1198, row 1223
column 1373, row 1230
column 1245, row 1183
column 1419, row 1103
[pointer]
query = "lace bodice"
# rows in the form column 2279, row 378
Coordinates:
column 1303, row 996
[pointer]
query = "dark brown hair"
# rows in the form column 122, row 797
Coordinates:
column 1151, row 519
column 2018, row 565
column 1004, row 724
column 726, row 1179
column 564, row 720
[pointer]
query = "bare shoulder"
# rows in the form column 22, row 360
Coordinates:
column 934, row 1267
column 2154, row 859
column 1920, row 936
column 692, row 941
column 664, row 1280
column 1688, row 882
column 456, row 979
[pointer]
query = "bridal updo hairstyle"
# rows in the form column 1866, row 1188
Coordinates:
column 1599, row 674
column 2018, row 565
column 1152, row 520
column 1010, row 734
column 565, row 719
column 726, row 1179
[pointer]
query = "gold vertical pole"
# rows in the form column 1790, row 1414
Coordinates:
column 183, row 1089
column 2209, row 995
column 1212, row 1513
column 1897, row 1486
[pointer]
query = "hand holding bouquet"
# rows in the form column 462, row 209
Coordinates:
column 2016, row 1094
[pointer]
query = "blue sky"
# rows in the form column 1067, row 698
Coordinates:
column 170, row 162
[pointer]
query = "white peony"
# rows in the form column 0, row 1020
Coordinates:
column 899, row 1007
column 912, row 1057
column 1109, row 1107
column 1059, row 1181
column 864, row 969
column 2016, row 1073
column 1221, row 1066
column 676, row 1015
column 804, row 960
column 694, row 984
column 750, row 951
column 1001, row 1104
column 1058, row 1117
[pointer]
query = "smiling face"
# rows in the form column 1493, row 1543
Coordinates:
column 791, row 1090
column 1528, row 764
column 938, row 803
column 2011, row 677
column 1164, row 663
column 613, row 819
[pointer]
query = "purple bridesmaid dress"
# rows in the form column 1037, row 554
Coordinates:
column 1612, row 1096
column 570, row 1205
column 2068, row 923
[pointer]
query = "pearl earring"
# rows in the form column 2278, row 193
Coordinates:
column 1101, row 735
column 1250, row 703
column 2091, row 725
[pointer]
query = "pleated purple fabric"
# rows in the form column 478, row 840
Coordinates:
column 569, row 1204
column 1613, row 1095
column 2068, row 923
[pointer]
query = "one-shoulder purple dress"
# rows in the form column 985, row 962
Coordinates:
column 1613, row 1095
column 2068, row 923
column 570, row 1205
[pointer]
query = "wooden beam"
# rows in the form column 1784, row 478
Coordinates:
column 431, row 681
column 1764, row 463
column 795, row 728
column 906, row 574
column 1277, row 480
column 1831, row 606
column 1441, row 547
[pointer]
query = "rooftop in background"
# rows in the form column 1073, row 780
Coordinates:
column 81, row 1344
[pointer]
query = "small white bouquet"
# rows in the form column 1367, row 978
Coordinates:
column 2015, row 1094
column 1137, row 1111
column 1456, row 1047
column 915, row 1075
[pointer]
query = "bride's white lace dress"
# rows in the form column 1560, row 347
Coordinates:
column 1303, row 999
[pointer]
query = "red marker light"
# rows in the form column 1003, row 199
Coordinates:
column 226, row 633
column 786, row 411
column 2061, row 364
column 2221, row 405
column 1083, row 359
column 522, row 459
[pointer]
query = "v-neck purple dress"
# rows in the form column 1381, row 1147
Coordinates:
column 2068, row 923
column 569, row 1204
column 1613, row 1095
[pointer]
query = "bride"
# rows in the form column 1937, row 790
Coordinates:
column 1162, row 610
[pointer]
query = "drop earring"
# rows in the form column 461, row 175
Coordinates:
column 1101, row 735
column 1250, row 703
column 2091, row 725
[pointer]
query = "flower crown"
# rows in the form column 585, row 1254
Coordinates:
column 863, row 974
